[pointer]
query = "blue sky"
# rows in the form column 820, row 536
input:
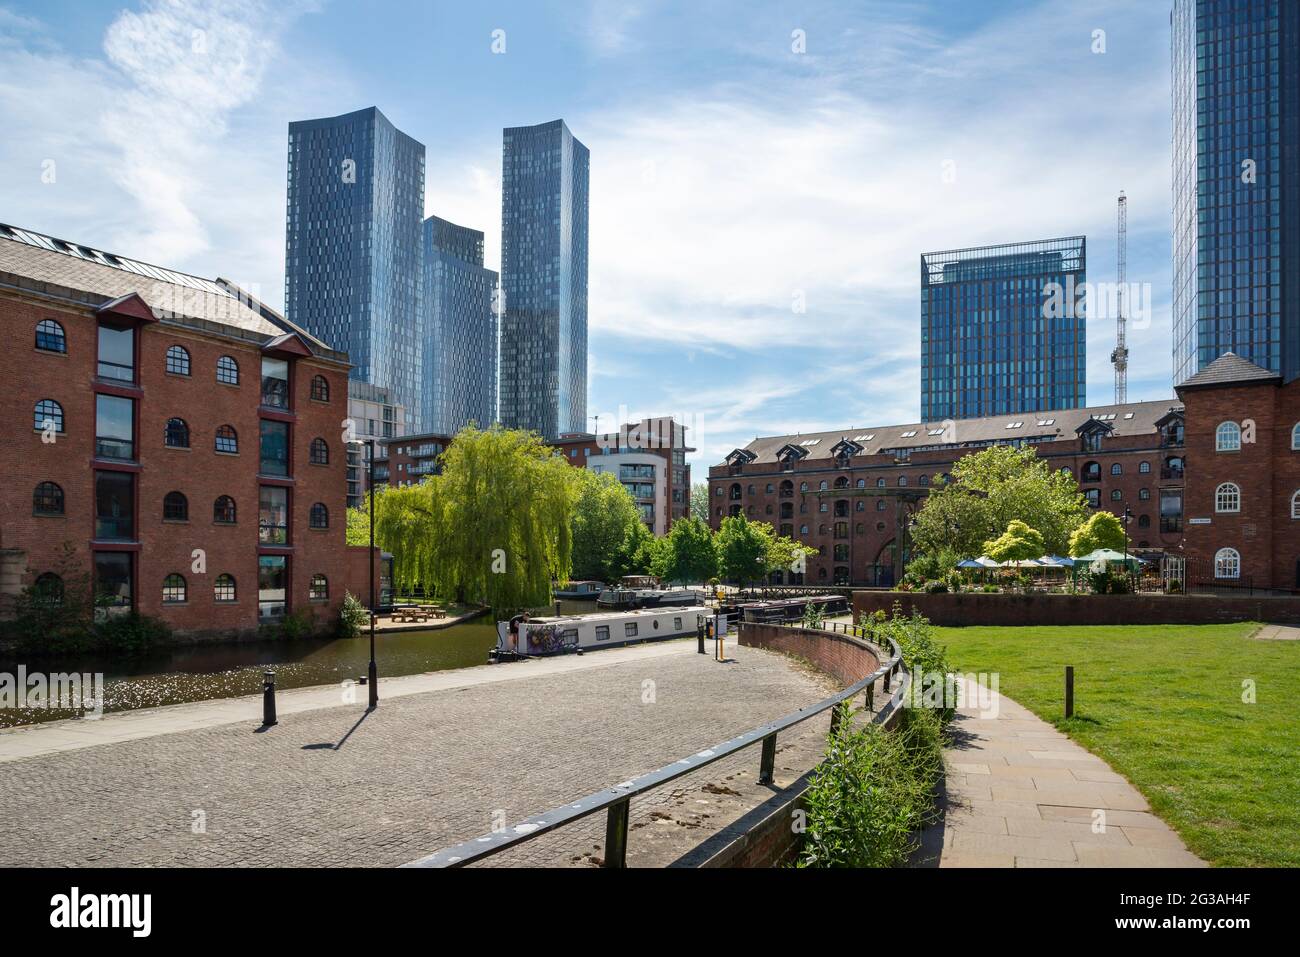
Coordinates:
column 731, row 176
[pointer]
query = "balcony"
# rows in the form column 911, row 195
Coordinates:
column 1168, row 472
column 1170, row 523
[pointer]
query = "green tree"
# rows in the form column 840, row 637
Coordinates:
column 1102, row 530
column 700, row 502
column 358, row 528
column 782, row 553
column 493, row 528
column 603, row 517
column 991, row 488
column 1018, row 543
column 692, row 554
column 743, row 549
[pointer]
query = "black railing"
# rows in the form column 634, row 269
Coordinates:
column 615, row 800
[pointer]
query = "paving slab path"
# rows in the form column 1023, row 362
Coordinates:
column 1020, row 793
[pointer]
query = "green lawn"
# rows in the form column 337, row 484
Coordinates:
column 1163, row 705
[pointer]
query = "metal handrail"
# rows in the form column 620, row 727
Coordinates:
column 615, row 800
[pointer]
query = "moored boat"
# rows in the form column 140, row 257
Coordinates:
column 581, row 591
column 528, row 637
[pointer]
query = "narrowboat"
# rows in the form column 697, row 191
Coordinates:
column 529, row 637
column 628, row 599
column 581, row 591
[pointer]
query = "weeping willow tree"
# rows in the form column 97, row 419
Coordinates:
column 494, row 528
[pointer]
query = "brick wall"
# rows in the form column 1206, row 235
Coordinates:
column 200, row 473
column 978, row 608
column 844, row 658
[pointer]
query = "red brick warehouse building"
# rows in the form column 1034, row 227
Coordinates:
column 185, row 440
column 851, row 493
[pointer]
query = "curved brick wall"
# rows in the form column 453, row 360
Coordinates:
column 844, row 658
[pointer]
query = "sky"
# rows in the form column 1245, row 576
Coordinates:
column 764, row 175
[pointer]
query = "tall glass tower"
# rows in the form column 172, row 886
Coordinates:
column 1236, row 152
column 353, row 246
column 1003, row 329
column 544, row 279
column 460, row 348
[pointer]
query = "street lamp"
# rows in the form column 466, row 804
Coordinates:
column 372, row 677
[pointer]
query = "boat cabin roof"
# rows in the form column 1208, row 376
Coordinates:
column 618, row 615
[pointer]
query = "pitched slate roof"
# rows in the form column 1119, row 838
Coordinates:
column 34, row 261
column 1229, row 369
column 1134, row 418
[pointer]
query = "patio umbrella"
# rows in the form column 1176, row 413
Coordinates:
column 1102, row 555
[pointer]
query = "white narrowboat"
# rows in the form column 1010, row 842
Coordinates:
column 528, row 637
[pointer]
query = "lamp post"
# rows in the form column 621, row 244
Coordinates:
column 372, row 676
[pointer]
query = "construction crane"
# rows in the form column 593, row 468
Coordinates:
column 1119, row 357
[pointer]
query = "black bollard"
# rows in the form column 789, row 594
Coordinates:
column 268, row 698
column 1069, row 691
column 699, row 633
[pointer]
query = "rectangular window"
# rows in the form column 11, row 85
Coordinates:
column 114, row 506
column 113, row 579
column 272, row 587
column 629, row 629
column 114, row 427
column 602, row 632
column 275, row 383
column 274, row 448
column 273, row 516
column 677, row 624
column 117, row 353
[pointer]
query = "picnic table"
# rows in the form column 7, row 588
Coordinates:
column 417, row 613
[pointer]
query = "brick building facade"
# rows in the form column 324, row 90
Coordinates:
column 1243, row 493
column 182, row 439
column 851, row 493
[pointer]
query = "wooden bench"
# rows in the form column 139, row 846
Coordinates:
column 410, row 613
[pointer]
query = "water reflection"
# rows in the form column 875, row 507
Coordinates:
column 204, row 672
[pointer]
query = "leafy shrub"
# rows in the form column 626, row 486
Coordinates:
column 130, row 633
column 935, row 587
column 874, row 790
column 353, row 617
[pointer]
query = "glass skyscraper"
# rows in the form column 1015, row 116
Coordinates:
column 353, row 270
column 460, row 353
column 1236, row 139
column 544, row 176
column 1003, row 329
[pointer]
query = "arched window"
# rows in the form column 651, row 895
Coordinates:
column 750, row 488
column 1295, row 505
column 227, row 439
column 822, row 485
column 803, row 487
column 860, row 506
column 319, row 588
column 173, row 589
column 1091, row 472
column 734, row 495
column 178, row 360
column 902, row 481
column 48, row 414
column 880, row 505
column 1116, row 495
column 842, row 482
column 228, row 371
column 1117, row 469
column 770, row 488
column 320, row 516
column 1227, row 498
column 47, row 499
column 1144, row 467
column 176, row 507
column 1144, row 521
column 861, row 483
column 223, row 589
column 924, row 480
column 50, row 337
column 880, row 483
column 177, row 434
column 1295, row 437
column 320, row 389
column 803, row 529
column 48, row 589
column 1227, row 563
column 1144, row 494
column 1227, row 437
column 223, row 510
column 787, row 489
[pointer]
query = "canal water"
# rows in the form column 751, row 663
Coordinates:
column 204, row 672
